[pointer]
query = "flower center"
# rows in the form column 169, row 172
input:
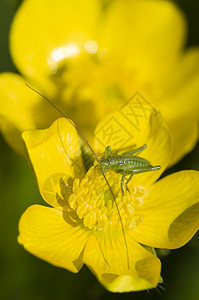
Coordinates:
column 94, row 204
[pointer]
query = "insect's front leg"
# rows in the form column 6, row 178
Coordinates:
column 130, row 177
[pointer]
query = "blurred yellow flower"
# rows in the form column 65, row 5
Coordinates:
column 89, row 58
column 82, row 226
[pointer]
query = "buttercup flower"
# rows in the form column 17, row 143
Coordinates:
column 83, row 226
column 89, row 58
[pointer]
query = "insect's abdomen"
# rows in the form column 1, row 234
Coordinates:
column 128, row 163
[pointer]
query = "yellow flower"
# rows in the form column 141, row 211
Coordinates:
column 89, row 59
column 83, row 226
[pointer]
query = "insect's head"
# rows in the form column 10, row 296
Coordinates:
column 104, row 165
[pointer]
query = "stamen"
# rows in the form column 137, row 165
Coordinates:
column 93, row 202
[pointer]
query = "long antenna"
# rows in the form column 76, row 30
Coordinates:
column 83, row 137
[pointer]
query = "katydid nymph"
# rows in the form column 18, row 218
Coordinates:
column 128, row 163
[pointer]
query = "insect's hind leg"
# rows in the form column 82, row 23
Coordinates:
column 128, row 180
column 135, row 151
column 122, row 182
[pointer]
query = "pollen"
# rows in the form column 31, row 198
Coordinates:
column 93, row 202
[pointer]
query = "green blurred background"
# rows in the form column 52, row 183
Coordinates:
column 22, row 276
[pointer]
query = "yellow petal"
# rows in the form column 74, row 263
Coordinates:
column 16, row 109
column 185, row 136
column 106, row 257
column 52, row 236
column 181, row 90
column 135, row 124
column 59, row 24
column 170, row 212
column 143, row 33
column 179, row 103
column 56, row 158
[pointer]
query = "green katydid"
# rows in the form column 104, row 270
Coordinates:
column 128, row 163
